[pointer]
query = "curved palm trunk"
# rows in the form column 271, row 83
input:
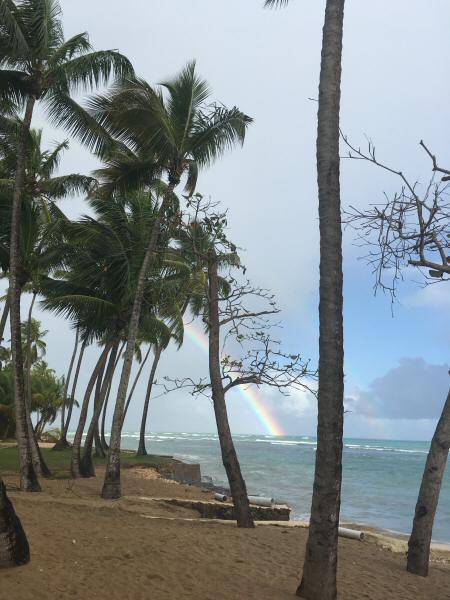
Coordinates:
column 62, row 442
column 229, row 456
column 142, row 451
column 39, row 463
column 28, row 478
column 4, row 318
column 103, row 441
column 135, row 382
column 14, row 548
column 319, row 571
column 104, row 444
column 75, row 463
column 99, row 451
column 112, row 487
column 427, row 502
column 87, row 466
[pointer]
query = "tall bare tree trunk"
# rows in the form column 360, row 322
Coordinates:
column 14, row 549
column 112, row 486
column 142, row 451
column 229, row 456
column 87, row 466
column 4, row 318
column 135, row 382
column 427, row 502
column 319, row 571
column 62, row 442
column 28, row 478
column 75, row 463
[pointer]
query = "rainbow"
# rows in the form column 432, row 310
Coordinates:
column 267, row 420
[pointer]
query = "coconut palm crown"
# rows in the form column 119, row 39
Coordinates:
column 171, row 129
column 37, row 62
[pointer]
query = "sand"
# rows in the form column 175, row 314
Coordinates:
column 84, row 548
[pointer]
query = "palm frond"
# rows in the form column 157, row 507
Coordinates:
column 90, row 70
column 127, row 172
column 75, row 45
column 52, row 159
column 10, row 23
column 216, row 132
column 13, row 88
column 275, row 3
column 42, row 22
column 187, row 93
column 68, row 185
column 65, row 112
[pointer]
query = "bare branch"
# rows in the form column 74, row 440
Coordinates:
column 408, row 229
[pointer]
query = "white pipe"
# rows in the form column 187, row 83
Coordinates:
column 352, row 534
column 261, row 501
column 221, row 497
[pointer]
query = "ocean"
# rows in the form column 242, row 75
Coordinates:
column 380, row 482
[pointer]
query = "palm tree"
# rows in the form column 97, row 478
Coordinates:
column 170, row 130
column 40, row 222
column 101, row 259
column 37, row 64
column 319, row 571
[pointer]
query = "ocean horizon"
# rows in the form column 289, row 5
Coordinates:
column 381, row 477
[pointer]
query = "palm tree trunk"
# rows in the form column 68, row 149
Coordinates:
column 62, row 442
column 99, row 452
column 142, row 451
column 75, row 463
column 38, row 460
column 229, row 456
column 36, row 454
column 135, row 382
column 112, row 487
column 4, row 318
column 28, row 348
column 104, row 443
column 427, row 502
column 87, row 466
column 319, row 571
column 28, row 478
column 14, row 548
column 105, row 446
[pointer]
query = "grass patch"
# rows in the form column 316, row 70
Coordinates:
column 59, row 462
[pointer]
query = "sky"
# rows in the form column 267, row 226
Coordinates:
column 395, row 91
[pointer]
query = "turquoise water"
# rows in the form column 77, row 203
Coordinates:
column 380, row 483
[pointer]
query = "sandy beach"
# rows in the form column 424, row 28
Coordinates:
column 135, row 548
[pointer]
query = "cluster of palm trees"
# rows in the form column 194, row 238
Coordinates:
column 125, row 276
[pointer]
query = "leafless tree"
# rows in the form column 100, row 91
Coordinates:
column 243, row 317
column 412, row 228
column 234, row 314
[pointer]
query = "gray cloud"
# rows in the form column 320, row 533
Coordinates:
column 414, row 390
